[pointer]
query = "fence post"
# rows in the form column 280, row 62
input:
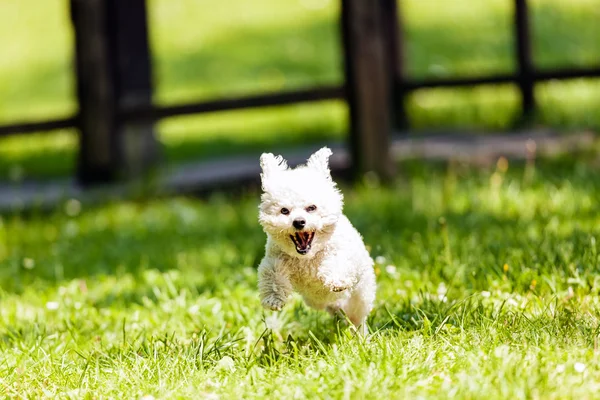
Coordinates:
column 392, row 25
column 113, row 72
column 368, row 86
column 524, row 60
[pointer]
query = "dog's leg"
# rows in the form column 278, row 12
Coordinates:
column 357, row 309
column 273, row 284
column 360, row 303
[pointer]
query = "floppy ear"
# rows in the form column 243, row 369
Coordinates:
column 320, row 161
column 270, row 163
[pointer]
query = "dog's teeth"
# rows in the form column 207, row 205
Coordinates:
column 302, row 241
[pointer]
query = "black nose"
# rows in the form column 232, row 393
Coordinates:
column 299, row 223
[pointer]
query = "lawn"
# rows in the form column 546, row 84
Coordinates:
column 488, row 288
column 239, row 47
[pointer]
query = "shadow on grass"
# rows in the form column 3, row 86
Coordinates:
column 195, row 147
column 208, row 239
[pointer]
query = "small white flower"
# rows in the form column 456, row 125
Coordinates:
column 502, row 351
column 560, row 368
column 442, row 290
column 226, row 363
column 73, row 207
column 52, row 305
column 512, row 302
column 390, row 269
column 28, row 263
column 380, row 259
column 273, row 322
column 194, row 309
column 579, row 367
column 485, row 294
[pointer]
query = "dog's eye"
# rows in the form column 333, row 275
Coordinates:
column 285, row 211
column 311, row 208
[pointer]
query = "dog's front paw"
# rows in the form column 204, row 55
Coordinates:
column 338, row 285
column 272, row 303
column 340, row 288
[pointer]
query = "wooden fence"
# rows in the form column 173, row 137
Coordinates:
column 114, row 90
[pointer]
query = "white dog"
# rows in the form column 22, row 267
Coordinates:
column 312, row 248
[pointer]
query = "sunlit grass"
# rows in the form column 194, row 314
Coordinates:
column 464, row 108
column 482, row 274
column 242, row 47
column 35, row 62
column 38, row 155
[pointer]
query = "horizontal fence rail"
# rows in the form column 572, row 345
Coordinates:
column 154, row 112
column 41, row 127
column 536, row 76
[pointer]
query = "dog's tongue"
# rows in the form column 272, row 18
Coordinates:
column 302, row 240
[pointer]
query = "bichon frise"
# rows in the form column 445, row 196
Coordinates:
column 312, row 248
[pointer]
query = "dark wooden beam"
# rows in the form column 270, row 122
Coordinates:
column 525, row 66
column 416, row 84
column 137, row 146
column 36, row 127
column 393, row 32
column 154, row 113
column 368, row 84
column 536, row 76
column 113, row 71
column 566, row 73
column 95, row 92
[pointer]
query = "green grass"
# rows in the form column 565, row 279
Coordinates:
column 488, row 288
column 240, row 47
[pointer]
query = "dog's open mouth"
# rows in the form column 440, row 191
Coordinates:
column 302, row 241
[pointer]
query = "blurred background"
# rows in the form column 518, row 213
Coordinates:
column 204, row 50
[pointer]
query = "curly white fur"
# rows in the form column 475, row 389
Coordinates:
column 336, row 272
